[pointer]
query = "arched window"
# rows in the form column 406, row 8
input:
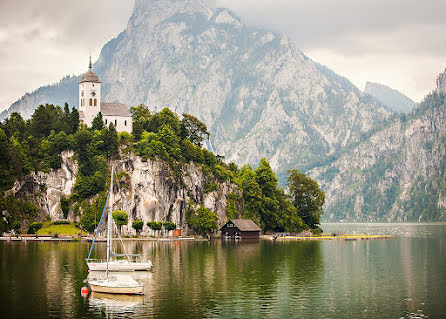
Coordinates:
column 91, row 102
column 105, row 121
column 125, row 122
column 95, row 104
column 116, row 122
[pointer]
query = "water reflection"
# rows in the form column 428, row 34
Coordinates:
column 227, row 279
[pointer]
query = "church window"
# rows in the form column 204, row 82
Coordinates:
column 95, row 104
column 91, row 102
column 105, row 121
column 125, row 122
column 116, row 122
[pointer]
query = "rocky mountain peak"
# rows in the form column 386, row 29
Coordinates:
column 441, row 83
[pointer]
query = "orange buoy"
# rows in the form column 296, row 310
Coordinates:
column 84, row 291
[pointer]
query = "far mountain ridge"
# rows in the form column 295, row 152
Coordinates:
column 391, row 98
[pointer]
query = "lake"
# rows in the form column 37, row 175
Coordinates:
column 393, row 278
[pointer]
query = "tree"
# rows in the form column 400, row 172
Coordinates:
column 169, row 226
column 307, row 197
column 98, row 122
column 137, row 225
column 64, row 205
column 16, row 225
column 193, row 129
column 155, row 226
column 202, row 220
column 121, row 218
column 34, row 228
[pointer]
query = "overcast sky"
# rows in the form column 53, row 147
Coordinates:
column 399, row 43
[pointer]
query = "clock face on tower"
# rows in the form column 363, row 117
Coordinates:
column 93, row 93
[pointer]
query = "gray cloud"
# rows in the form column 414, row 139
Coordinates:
column 341, row 24
column 399, row 42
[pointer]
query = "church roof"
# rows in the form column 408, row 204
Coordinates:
column 118, row 109
column 90, row 77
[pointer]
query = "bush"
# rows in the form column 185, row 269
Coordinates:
column 137, row 225
column 121, row 218
column 169, row 226
column 65, row 205
column 34, row 228
column 61, row 222
column 202, row 220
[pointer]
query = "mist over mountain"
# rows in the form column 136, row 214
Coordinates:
column 258, row 93
column 391, row 98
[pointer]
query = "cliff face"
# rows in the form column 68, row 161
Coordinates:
column 46, row 189
column 146, row 190
column 441, row 83
column 396, row 175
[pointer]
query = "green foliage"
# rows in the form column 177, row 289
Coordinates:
column 34, row 228
column 169, row 226
column 138, row 225
column 91, row 212
column 64, row 205
column 231, row 205
column 98, row 123
column 61, row 222
column 193, row 129
column 16, row 225
column 155, row 225
column 201, row 219
column 307, row 197
column 13, row 209
column 120, row 217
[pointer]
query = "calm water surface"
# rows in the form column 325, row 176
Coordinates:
column 397, row 278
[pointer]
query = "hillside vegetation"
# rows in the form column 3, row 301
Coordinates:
column 36, row 145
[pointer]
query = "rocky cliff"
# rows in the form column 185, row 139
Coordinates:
column 259, row 95
column 146, row 190
column 398, row 174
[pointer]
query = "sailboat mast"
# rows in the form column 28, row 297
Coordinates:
column 109, row 226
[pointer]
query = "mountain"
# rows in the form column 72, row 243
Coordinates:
column 258, row 93
column 391, row 98
column 398, row 174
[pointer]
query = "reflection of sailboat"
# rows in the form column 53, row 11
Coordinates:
column 116, row 304
column 117, row 264
column 117, row 284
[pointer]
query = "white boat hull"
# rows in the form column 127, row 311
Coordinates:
column 118, row 284
column 139, row 290
column 119, row 265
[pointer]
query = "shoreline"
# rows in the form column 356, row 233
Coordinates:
column 171, row 239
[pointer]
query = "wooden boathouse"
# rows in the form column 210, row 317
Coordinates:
column 240, row 228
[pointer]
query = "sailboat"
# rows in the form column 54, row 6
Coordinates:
column 117, row 284
column 116, row 264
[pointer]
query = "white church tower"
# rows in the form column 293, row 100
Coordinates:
column 89, row 96
column 90, row 105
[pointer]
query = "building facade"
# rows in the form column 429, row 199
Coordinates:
column 90, row 105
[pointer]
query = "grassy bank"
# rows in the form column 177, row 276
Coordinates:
column 61, row 230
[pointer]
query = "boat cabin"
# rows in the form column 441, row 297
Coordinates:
column 240, row 228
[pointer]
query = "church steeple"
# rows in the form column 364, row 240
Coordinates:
column 89, row 96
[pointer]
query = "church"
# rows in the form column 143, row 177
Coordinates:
column 90, row 105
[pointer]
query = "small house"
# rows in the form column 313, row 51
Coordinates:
column 240, row 228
